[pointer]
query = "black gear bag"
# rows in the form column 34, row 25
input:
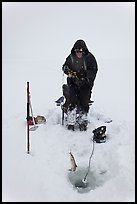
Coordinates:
column 99, row 134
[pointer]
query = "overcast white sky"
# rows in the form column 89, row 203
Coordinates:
column 34, row 30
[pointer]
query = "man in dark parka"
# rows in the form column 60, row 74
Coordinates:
column 81, row 68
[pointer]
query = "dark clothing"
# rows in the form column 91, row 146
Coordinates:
column 77, row 63
column 80, row 97
column 82, row 83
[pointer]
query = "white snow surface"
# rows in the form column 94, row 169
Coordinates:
column 36, row 39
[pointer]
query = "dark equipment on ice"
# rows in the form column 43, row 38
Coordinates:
column 99, row 134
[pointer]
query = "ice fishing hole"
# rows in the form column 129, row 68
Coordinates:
column 94, row 180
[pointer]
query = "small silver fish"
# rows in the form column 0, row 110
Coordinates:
column 73, row 162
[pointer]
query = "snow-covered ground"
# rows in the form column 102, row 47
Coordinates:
column 36, row 41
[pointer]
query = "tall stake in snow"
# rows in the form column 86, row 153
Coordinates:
column 28, row 114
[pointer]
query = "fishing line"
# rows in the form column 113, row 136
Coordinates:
column 83, row 184
column 89, row 162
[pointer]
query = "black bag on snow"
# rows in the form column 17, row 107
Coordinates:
column 99, row 134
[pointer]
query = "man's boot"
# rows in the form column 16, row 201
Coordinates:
column 83, row 121
column 71, row 119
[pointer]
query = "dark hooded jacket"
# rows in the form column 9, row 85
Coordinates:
column 89, row 66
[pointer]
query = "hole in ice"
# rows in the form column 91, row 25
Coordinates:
column 93, row 180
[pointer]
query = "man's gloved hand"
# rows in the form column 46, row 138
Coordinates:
column 72, row 74
column 66, row 69
column 69, row 72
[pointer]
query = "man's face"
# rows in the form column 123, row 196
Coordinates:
column 79, row 52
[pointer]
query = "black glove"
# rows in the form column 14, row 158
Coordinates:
column 72, row 74
column 66, row 69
